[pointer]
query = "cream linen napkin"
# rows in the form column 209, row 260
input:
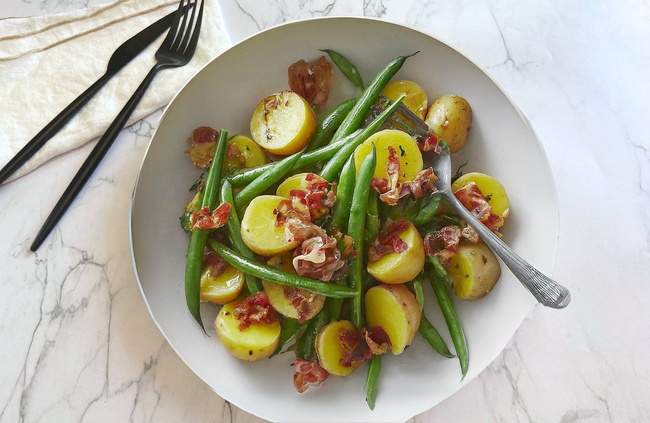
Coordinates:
column 46, row 62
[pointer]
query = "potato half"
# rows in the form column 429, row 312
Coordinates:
column 296, row 182
column 254, row 343
column 258, row 228
column 416, row 99
column 282, row 123
column 279, row 294
column 395, row 309
column 450, row 117
column 329, row 348
column 410, row 158
column 492, row 189
column 223, row 288
column 397, row 268
column 251, row 155
column 474, row 271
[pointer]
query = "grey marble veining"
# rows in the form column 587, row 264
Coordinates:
column 78, row 344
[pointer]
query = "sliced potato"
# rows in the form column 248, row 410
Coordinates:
column 223, row 288
column 329, row 348
column 254, row 343
column 279, row 295
column 450, row 117
column 410, row 158
column 258, row 228
column 395, row 309
column 282, row 123
column 474, row 271
column 403, row 267
column 250, row 154
column 296, row 182
column 492, row 189
column 416, row 99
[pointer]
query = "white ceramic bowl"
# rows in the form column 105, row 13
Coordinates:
column 223, row 95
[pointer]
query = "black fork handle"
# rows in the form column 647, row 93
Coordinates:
column 93, row 160
column 52, row 128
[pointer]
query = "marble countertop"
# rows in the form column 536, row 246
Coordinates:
column 77, row 342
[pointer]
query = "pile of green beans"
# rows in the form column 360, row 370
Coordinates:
column 329, row 123
column 194, row 263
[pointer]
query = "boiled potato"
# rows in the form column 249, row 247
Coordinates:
column 410, row 158
column 296, row 182
column 254, row 343
column 251, row 155
column 416, row 99
column 474, row 271
column 397, row 268
column 194, row 204
column 395, row 309
column 282, row 123
column 258, row 229
column 492, row 189
column 279, row 294
column 450, row 117
column 329, row 348
column 223, row 288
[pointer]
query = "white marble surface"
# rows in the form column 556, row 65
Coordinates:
column 78, row 345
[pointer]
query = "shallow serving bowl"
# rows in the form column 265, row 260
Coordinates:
column 223, row 95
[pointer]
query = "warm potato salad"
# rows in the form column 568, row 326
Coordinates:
column 315, row 231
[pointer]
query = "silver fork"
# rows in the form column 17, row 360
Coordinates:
column 544, row 289
column 176, row 50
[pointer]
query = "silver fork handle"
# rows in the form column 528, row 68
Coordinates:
column 544, row 289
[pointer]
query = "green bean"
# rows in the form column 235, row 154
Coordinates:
column 356, row 228
column 329, row 123
column 333, row 167
column 233, row 227
column 336, row 305
column 346, row 67
column 288, row 329
column 274, row 275
column 266, row 180
column 372, row 218
column 305, row 345
column 439, row 269
column 361, row 109
column 374, row 368
column 344, row 191
column 415, row 286
column 447, row 307
column 194, row 263
column 425, row 210
column 245, row 176
column 431, row 335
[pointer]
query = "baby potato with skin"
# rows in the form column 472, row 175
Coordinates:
column 223, row 288
column 494, row 192
column 474, row 271
column 259, row 230
column 250, row 154
column 395, row 309
column 329, row 349
column 396, row 268
column 450, row 116
column 277, row 293
column 282, row 123
column 254, row 343
column 416, row 99
column 408, row 152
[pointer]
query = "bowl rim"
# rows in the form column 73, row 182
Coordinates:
column 306, row 21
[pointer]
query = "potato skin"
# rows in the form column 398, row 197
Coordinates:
column 395, row 309
column 450, row 116
column 399, row 268
column 474, row 271
column 252, row 344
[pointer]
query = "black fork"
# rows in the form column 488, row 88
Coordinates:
column 176, row 50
